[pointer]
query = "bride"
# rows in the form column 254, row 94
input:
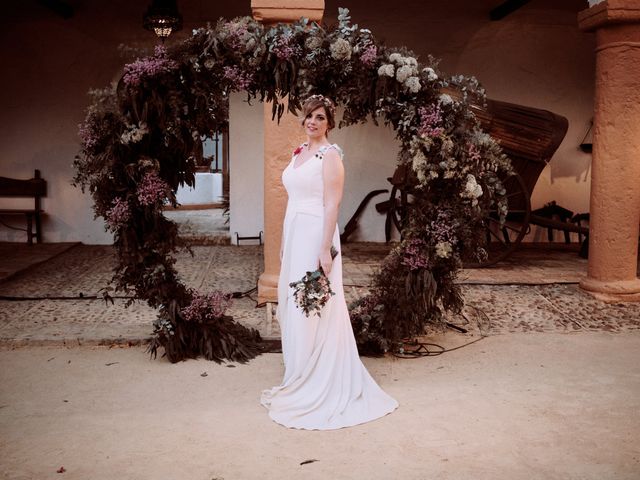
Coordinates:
column 325, row 385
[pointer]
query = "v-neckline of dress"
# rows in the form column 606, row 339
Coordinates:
column 293, row 164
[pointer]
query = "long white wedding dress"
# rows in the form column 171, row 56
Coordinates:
column 325, row 385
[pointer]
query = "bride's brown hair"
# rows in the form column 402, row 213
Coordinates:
column 315, row 101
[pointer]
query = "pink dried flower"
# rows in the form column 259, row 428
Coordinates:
column 413, row 255
column 236, row 34
column 151, row 189
column 135, row 72
column 283, row 48
column 241, row 80
column 119, row 214
column 87, row 135
column 369, row 55
column 443, row 228
column 430, row 121
column 473, row 153
column 207, row 307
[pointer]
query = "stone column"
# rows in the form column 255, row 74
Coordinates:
column 279, row 142
column 615, row 170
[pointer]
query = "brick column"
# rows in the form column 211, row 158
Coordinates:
column 615, row 171
column 279, row 142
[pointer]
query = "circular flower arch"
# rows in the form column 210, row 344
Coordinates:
column 141, row 140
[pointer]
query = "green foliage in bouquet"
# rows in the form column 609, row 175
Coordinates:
column 142, row 139
column 313, row 290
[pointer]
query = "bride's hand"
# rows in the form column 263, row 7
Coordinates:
column 326, row 262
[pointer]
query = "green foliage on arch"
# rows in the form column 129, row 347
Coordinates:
column 141, row 141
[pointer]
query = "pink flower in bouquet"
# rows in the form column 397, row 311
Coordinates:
column 119, row 214
column 413, row 255
column 152, row 189
column 209, row 306
column 240, row 79
column 369, row 55
column 236, row 33
column 430, row 121
column 283, row 47
column 135, row 72
column 88, row 135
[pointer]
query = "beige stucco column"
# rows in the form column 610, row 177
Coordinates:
column 279, row 142
column 615, row 171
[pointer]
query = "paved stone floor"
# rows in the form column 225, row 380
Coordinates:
column 56, row 301
column 201, row 226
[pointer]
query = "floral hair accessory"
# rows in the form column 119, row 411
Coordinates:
column 327, row 102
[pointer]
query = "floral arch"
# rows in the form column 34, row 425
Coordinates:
column 141, row 141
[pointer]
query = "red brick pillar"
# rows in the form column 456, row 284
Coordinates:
column 615, row 171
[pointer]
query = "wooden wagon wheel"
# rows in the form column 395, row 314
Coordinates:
column 502, row 240
column 398, row 205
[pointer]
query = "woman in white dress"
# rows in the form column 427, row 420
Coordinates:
column 325, row 385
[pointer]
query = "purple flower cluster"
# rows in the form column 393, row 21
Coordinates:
column 241, row 80
column 369, row 55
column 283, row 48
column 430, row 121
column 236, row 34
column 443, row 229
column 413, row 255
column 207, row 307
column 119, row 214
column 148, row 67
column 151, row 189
column 87, row 135
column 473, row 153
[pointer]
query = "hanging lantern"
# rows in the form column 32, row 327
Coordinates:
column 163, row 18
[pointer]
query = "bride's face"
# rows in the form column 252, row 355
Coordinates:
column 316, row 124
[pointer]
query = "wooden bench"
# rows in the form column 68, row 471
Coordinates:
column 36, row 188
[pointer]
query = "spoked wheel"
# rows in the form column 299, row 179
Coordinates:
column 398, row 207
column 502, row 240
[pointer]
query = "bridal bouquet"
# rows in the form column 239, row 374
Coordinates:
column 313, row 290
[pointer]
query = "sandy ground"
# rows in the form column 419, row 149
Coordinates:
column 518, row 406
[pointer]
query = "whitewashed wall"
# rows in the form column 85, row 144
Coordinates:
column 246, row 150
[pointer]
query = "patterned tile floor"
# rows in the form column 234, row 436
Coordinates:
column 54, row 301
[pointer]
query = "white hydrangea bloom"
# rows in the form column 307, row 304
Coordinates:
column 340, row 49
column 431, row 74
column 313, row 42
column 472, row 190
column 386, row 70
column 413, row 84
column 483, row 139
column 445, row 99
column 419, row 161
column 410, row 61
column 395, row 57
column 403, row 73
column 443, row 249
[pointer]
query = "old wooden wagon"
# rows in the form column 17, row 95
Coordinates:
column 529, row 137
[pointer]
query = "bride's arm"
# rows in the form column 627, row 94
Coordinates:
column 333, row 180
